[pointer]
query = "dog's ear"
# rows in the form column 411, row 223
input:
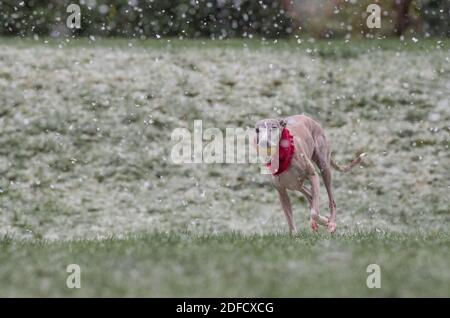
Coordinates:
column 282, row 122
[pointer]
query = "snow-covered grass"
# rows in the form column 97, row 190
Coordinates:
column 85, row 144
column 85, row 148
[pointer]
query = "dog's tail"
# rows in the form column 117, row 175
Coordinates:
column 358, row 159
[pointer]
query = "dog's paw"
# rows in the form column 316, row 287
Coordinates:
column 331, row 227
column 314, row 226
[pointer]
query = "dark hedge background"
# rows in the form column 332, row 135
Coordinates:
column 222, row 18
column 187, row 18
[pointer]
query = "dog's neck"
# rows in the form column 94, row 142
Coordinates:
column 282, row 159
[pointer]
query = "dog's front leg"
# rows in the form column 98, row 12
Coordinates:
column 316, row 218
column 287, row 208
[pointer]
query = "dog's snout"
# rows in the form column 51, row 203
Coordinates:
column 265, row 143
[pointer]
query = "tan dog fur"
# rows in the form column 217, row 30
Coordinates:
column 312, row 146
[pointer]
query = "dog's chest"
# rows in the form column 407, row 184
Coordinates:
column 291, row 179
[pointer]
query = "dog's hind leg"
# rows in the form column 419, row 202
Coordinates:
column 306, row 192
column 322, row 157
column 315, row 218
column 326, row 176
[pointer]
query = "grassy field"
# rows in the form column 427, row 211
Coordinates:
column 231, row 265
column 85, row 156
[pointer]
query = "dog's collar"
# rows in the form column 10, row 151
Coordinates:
column 286, row 151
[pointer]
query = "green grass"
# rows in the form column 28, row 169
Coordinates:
column 230, row 265
column 336, row 48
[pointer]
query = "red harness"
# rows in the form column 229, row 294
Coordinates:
column 285, row 153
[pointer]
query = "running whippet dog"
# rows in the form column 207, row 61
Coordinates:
column 291, row 145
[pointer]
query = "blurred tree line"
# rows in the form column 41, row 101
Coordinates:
column 224, row 18
column 331, row 18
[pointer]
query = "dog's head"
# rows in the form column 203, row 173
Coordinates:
column 268, row 134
